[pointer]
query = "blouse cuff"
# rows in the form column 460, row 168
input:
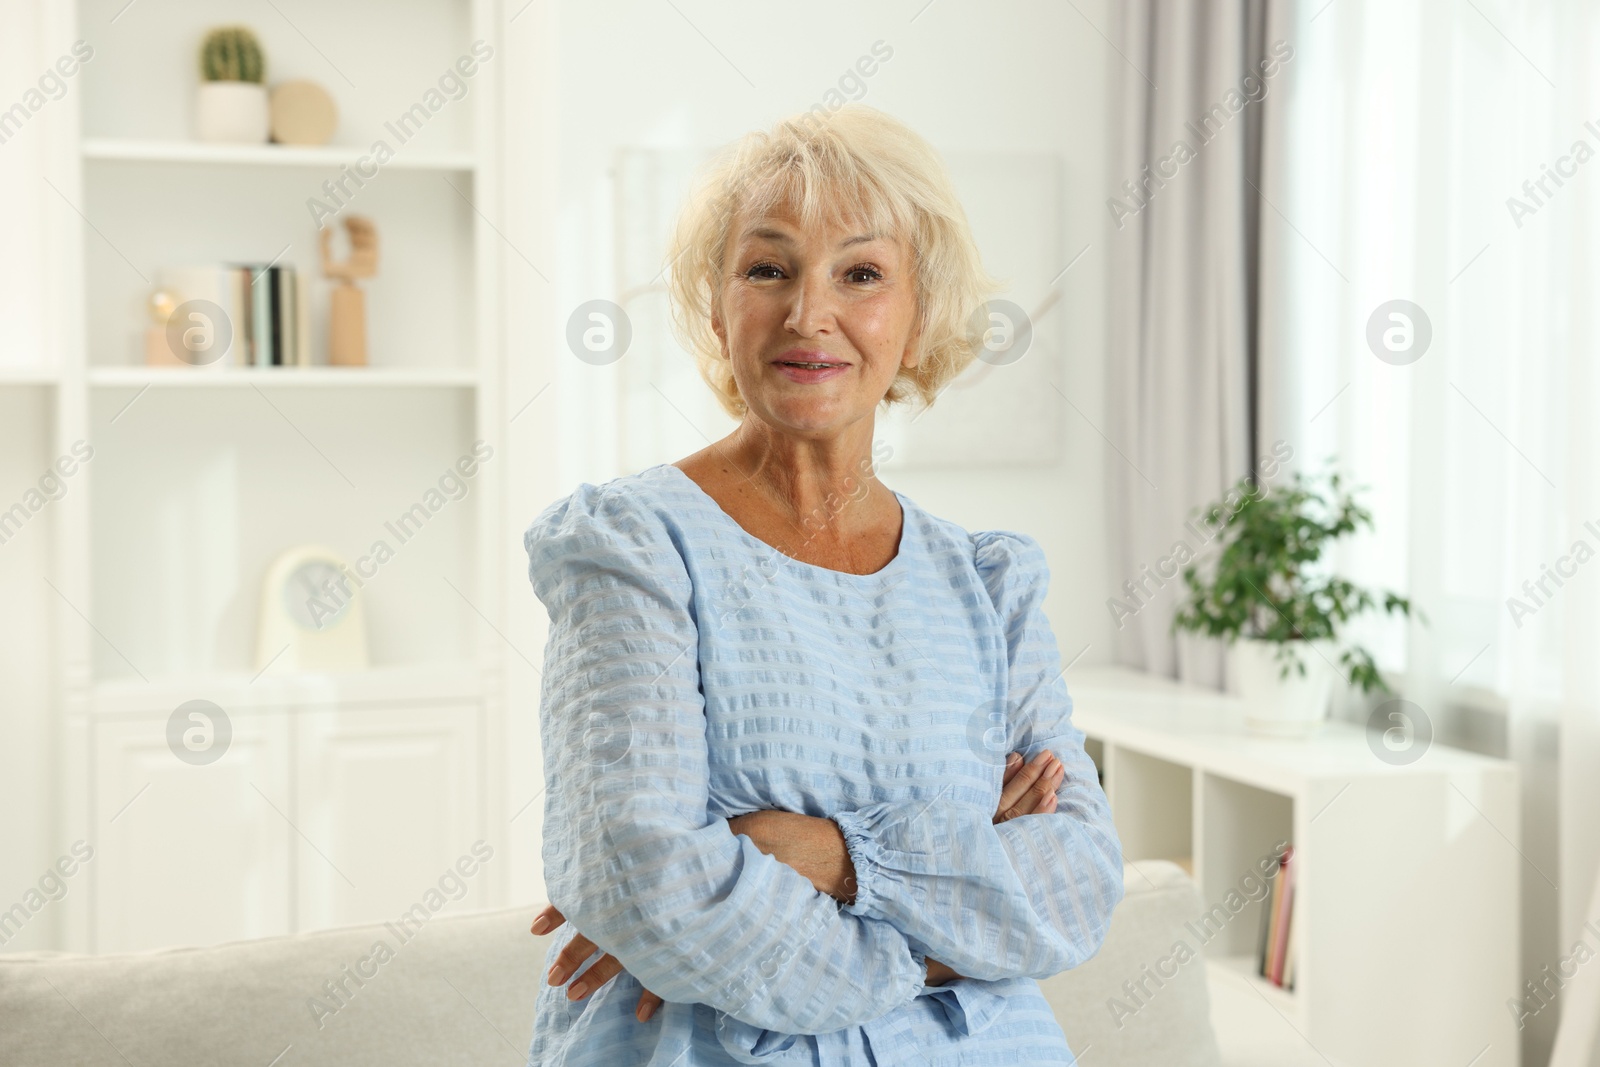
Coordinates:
column 920, row 961
column 864, row 854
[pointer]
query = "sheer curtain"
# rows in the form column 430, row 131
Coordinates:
column 1448, row 155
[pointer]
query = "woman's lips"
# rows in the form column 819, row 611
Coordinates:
column 810, row 374
column 800, row 365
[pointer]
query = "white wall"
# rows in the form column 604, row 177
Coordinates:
column 590, row 80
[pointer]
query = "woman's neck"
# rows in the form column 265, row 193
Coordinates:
column 806, row 474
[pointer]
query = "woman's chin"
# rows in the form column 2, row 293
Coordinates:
column 814, row 416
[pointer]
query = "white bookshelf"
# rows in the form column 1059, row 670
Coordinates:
column 140, row 151
column 1406, row 898
column 288, row 377
column 25, row 375
column 202, row 476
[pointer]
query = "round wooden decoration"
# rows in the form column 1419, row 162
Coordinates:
column 302, row 113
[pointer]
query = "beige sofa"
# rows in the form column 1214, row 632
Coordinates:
column 461, row 989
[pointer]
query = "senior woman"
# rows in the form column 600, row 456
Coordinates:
column 814, row 792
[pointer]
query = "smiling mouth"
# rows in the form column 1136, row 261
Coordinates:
column 807, row 366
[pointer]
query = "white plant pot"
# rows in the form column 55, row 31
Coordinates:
column 1282, row 707
column 231, row 111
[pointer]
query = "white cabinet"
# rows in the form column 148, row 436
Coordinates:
column 388, row 801
column 188, row 854
column 336, row 801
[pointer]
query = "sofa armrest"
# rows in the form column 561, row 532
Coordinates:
column 1144, row 997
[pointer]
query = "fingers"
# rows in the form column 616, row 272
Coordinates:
column 1026, row 776
column 566, row 964
column 1013, row 765
column 1045, row 788
column 547, row 919
column 605, row 968
column 572, row 956
column 1032, row 789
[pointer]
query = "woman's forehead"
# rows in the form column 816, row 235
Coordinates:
column 838, row 226
column 789, row 201
column 841, row 233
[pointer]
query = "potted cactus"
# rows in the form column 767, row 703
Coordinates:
column 232, row 105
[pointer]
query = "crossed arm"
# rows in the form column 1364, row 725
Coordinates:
column 815, row 847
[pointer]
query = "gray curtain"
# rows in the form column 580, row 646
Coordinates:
column 1194, row 110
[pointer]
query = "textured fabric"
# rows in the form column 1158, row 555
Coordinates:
column 694, row 673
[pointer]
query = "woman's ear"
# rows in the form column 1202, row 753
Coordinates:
column 718, row 328
column 912, row 356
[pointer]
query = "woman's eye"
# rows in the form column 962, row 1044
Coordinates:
column 863, row 274
column 764, row 270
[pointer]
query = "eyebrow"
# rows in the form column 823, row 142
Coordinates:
column 770, row 234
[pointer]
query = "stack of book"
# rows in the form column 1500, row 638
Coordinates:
column 1275, row 953
column 266, row 306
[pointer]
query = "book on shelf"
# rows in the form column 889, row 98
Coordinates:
column 278, row 316
column 1275, row 946
column 257, row 316
column 1288, row 959
column 267, row 306
column 302, row 319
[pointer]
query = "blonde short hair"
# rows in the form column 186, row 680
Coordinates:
column 856, row 164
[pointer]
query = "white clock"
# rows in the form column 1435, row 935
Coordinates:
column 311, row 614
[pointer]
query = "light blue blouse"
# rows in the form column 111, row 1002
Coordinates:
column 694, row 673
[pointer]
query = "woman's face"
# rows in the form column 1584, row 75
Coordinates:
column 817, row 323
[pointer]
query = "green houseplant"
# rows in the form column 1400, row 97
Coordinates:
column 232, row 101
column 1268, row 595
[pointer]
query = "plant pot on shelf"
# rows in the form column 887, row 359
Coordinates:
column 1292, row 706
column 232, row 111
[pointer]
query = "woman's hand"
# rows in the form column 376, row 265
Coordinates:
column 1029, row 789
column 939, row 973
column 579, row 949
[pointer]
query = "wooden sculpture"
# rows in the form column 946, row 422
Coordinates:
column 347, row 313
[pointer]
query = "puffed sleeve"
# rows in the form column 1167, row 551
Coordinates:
column 632, row 858
column 1032, row 896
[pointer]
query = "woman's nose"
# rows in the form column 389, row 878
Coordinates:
column 812, row 310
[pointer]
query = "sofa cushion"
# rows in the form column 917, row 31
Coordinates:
column 1164, row 1015
column 461, row 989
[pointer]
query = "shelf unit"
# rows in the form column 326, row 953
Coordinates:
column 23, row 375
column 201, row 476
column 322, row 156
column 290, row 377
column 1406, row 883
